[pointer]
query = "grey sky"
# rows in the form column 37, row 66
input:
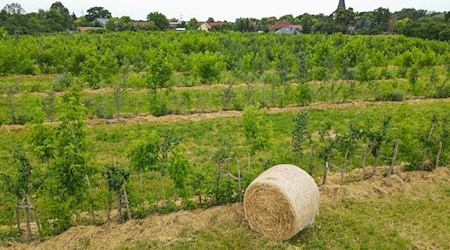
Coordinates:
column 227, row 9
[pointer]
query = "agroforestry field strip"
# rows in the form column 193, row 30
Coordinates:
column 147, row 118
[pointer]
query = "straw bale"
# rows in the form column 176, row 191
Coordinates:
column 281, row 202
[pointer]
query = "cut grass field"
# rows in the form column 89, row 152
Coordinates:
column 405, row 211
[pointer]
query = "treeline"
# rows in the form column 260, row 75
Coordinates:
column 409, row 22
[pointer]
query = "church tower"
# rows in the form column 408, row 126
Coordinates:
column 341, row 4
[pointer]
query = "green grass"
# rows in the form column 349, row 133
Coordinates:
column 409, row 121
column 396, row 221
column 181, row 101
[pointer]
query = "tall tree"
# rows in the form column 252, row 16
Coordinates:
column 160, row 20
column 97, row 12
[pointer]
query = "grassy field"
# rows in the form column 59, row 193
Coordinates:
column 200, row 142
column 405, row 211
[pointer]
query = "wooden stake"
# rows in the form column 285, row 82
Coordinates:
column 239, row 179
column 90, row 199
column 391, row 169
column 364, row 159
column 344, row 168
column 127, row 204
column 119, row 207
column 438, row 154
column 425, row 150
column 27, row 219
column 325, row 173
column 17, row 214
column 311, row 166
column 33, row 212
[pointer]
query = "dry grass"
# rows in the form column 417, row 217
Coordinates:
column 341, row 205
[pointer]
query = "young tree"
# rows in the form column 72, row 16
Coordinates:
column 258, row 130
column 179, row 171
column 169, row 143
column 116, row 176
column 347, row 142
column 160, row 71
column 40, row 136
column 71, row 161
column 328, row 142
column 19, row 184
column 227, row 95
column 144, row 154
column 376, row 138
column 300, row 134
column 208, row 67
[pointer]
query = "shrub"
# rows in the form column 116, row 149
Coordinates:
column 393, row 97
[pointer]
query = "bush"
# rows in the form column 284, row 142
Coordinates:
column 158, row 105
column 304, row 95
column 393, row 97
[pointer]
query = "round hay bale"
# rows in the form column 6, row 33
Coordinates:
column 281, row 202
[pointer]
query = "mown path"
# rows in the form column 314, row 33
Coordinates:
column 109, row 90
column 166, row 229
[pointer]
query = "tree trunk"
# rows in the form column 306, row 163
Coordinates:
column 108, row 209
column 375, row 160
column 17, row 214
column 260, row 88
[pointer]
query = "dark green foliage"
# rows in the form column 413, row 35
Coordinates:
column 179, row 171
column 305, row 95
column 300, row 134
column 159, row 20
column 258, row 130
column 144, row 152
column 393, row 97
column 115, row 176
column 377, row 136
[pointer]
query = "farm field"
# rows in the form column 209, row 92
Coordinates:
column 395, row 212
column 105, row 133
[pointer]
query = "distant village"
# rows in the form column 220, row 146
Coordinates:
column 179, row 25
column 14, row 20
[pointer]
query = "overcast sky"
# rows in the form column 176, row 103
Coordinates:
column 227, row 9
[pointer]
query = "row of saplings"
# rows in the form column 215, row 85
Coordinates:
column 150, row 153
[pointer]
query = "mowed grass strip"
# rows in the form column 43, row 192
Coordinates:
column 417, row 218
